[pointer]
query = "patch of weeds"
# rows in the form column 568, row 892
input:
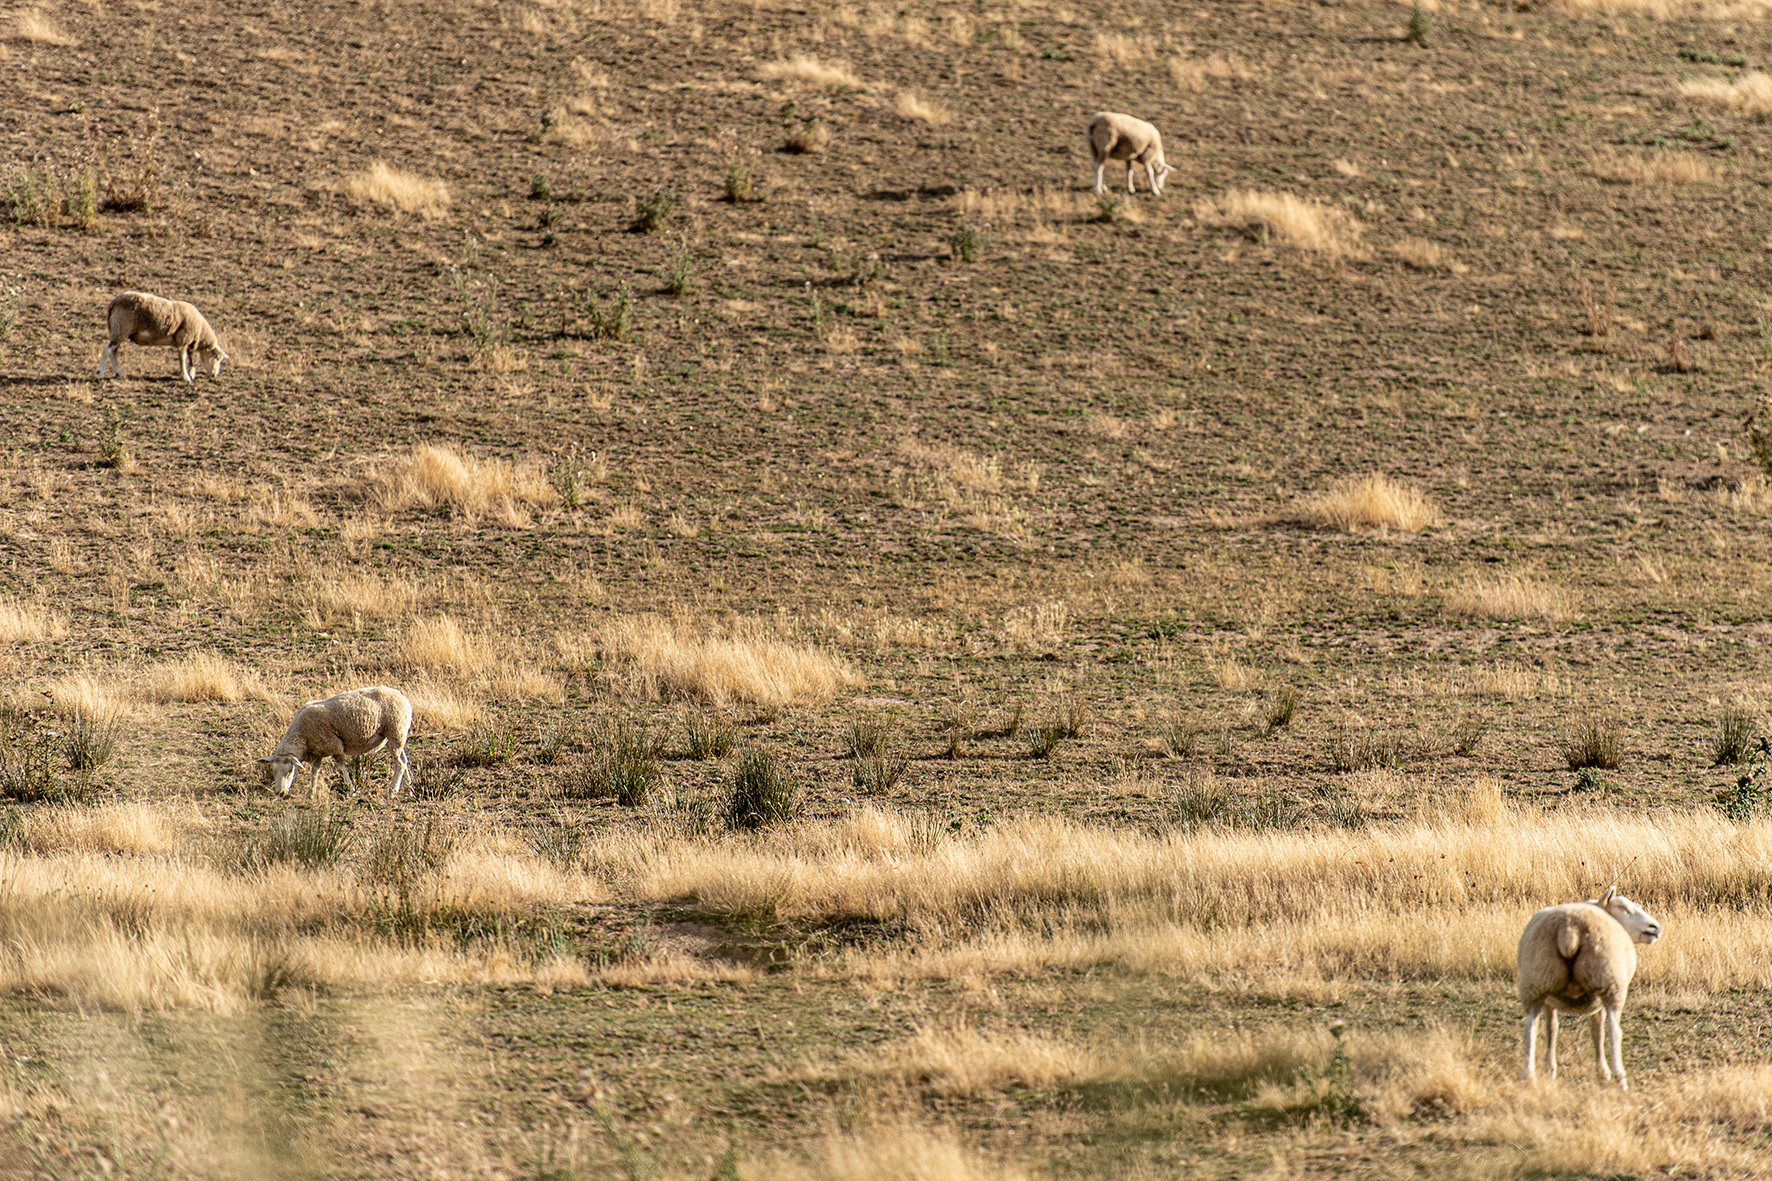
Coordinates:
column 1199, row 800
column 1594, row 740
column 1595, row 310
column 30, row 771
column 431, row 779
column 1107, row 210
column 135, row 185
column 1280, row 708
column 1758, row 421
column 1351, row 750
column 617, row 323
column 1181, row 738
column 633, row 1157
column 310, row 837
column 708, row 734
column 554, row 741
column 483, row 746
column 1421, row 23
column 874, row 766
column 1751, row 795
column 12, row 302
column 572, row 476
column 409, row 853
column 623, row 763
column 761, row 792
column 90, row 743
column 1735, row 738
column 1273, row 809
column 807, row 138
column 560, row 841
column 1340, row 807
column 1329, row 1092
column 741, row 179
column 1467, row 735
column 479, row 319
column 955, row 727
column 1043, row 740
column 1589, row 780
column 652, row 214
column 80, row 198
column 114, row 453
column 1014, row 713
column 552, row 240
column 1071, row 716
column 679, row 269
column 12, row 831
column 35, row 194
column 966, row 244
column 539, row 189
column 855, row 269
column 691, row 814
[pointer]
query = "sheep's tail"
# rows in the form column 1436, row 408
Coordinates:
column 1568, row 940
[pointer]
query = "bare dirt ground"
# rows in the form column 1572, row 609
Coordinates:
column 1016, row 459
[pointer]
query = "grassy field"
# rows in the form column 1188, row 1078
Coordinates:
column 920, row 671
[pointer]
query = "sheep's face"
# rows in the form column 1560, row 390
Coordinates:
column 1633, row 918
column 211, row 359
column 279, row 772
column 1159, row 173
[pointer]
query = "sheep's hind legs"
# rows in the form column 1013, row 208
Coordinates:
column 402, row 772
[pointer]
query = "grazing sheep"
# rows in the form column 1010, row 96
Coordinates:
column 1578, row 959
column 151, row 321
column 1121, row 137
column 355, row 722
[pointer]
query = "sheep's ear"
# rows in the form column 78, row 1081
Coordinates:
column 1611, row 893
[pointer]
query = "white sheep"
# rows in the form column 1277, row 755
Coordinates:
column 1578, row 958
column 355, row 722
column 151, row 321
column 1121, row 137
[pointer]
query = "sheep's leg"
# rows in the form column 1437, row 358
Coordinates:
column 401, row 771
column 1614, row 1026
column 344, row 769
column 1600, row 1045
column 1130, row 188
column 1550, row 1041
column 186, row 365
column 1529, row 1044
column 104, row 359
column 1100, row 184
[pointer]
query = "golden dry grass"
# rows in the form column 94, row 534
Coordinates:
column 29, row 623
column 1424, row 255
column 1750, row 93
column 35, row 25
column 1507, row 596
column 442, row 643
column 662, row 659
column 890, row 1153
column 88, row 694
column 406, row 191
column 1037, row 625
column 1653, row 167
column 442, row 707
column 349, row 596
column 152, row 931
column 1194, row 73
column 1373, row 501
column 805, row 68
column 202, row 676
column 913, row 106
column 1283, row 218
column 434, row 476
column 958, row 1059
column 1312, row 908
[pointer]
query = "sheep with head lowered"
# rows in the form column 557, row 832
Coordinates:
column 151, row 321
column 1121, row 137
column 355, row 722
column 1578, row 958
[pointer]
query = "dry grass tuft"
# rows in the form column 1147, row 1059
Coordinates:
column 29, row 623
column 805, row 68
column 1427, row 256
column 36, row 26
column 1656, row 167
column 1193, row 73
column 439, row 707
column 1284, row 218
column 442, row 477
column 663, row 659
column 1507, row 596
column 1373, row 501
column 88, row 695
column 961, row 1060
column 911, row 106
column 442, row 643
column 348, row 595
column 1751, row 93
column 108, row 828
column 891, row 1154
column 203, row 676
column 406, row 191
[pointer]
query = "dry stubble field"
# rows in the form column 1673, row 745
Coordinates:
column 1165, row 622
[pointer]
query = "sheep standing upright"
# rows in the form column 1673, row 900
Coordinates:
column 1579, row 958
column 355, row 722
column 1121, row 137
column 151, row 321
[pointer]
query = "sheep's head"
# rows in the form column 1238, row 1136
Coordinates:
column 1640, row 923
column 211, row 359
column 279, row 772
column 1159, row 174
